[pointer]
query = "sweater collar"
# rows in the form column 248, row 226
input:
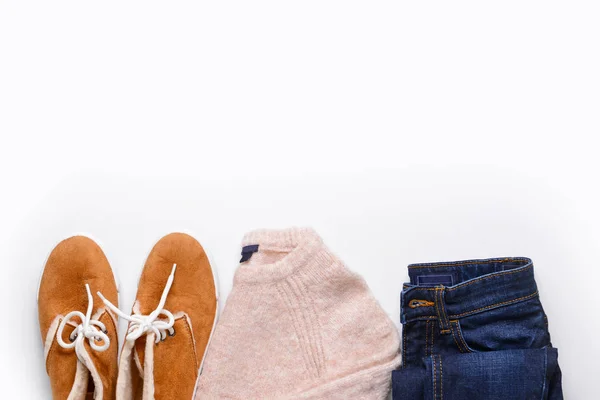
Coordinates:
column 301, row 248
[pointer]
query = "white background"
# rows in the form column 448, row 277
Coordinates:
column 402, row 131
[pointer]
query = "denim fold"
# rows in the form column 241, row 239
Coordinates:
column 475, row 329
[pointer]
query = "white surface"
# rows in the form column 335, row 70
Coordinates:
column 401, row 132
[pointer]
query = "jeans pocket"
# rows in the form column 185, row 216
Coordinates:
column 496, row 375
column 514, row 327
column 459, row 338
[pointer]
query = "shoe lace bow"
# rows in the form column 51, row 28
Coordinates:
column 146, row 324
column 91, row 329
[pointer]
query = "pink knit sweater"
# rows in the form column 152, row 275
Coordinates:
column 298, row 324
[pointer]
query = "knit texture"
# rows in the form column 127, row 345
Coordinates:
column 299, row 325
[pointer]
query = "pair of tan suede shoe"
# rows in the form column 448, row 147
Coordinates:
column 170, row 326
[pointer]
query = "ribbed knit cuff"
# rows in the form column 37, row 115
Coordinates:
column 305, row 255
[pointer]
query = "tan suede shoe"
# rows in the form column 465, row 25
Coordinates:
column 79, row 333
column 171, row 324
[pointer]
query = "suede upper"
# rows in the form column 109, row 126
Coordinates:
column 168, row 370
column 73, row 263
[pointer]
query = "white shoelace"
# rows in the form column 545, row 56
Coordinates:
column 145, row 324
column 90, row 329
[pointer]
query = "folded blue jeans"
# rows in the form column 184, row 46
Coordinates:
column 475, row 330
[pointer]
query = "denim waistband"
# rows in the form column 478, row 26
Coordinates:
column 452, row 290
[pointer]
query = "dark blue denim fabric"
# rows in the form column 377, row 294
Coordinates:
column 475, row 330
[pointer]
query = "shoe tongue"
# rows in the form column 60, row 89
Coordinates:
column 139, row 353
column 129, row 375
column 143, row 358
column 63, row 366
column 148, row 363
column 101, row 364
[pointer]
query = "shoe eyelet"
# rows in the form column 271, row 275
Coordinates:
column 172, row 334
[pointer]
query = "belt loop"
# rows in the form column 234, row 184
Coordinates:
column 402, row 305
column 440, row 307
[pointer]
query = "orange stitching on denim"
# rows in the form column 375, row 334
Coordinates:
column 432, row 334
column 456, row 342
column 444, row 315
column 457, row 331
column 453, row 323
column 434, row 378
column 404, row 345
column 426, row 338
column 437, row 308
column 441, row 380
column 458, row 264
column 456, row 316
column 495, row 305
column 462, row 339
column 425, row 317
column 475, row 280
column 495, row 274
